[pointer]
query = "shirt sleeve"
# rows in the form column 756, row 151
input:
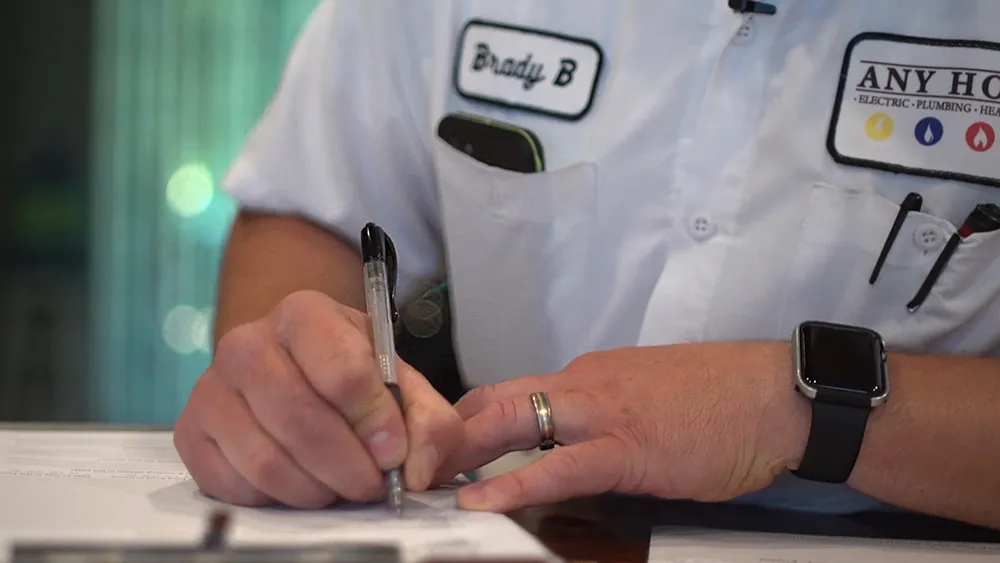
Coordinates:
column 345, row 140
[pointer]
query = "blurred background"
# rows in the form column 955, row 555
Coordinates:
column 118, row 118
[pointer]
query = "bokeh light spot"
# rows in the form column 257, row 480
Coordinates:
column 190, row 190
column 201, row 330
column 186, row 329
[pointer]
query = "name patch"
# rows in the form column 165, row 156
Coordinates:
column 926, row 107
column 530, row 69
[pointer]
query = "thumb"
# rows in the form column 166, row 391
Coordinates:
column 433, row 427
column 584, row 469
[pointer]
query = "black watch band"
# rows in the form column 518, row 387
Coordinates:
column 835, row 438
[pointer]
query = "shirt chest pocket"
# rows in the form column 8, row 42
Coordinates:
column 518, row 250
column 842, row 236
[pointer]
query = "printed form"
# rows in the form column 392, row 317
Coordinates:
column 131, row 487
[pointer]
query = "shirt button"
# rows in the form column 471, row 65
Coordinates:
column 746, row 33
column 928, row 237
column 701, row 227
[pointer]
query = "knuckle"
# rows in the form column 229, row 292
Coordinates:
column 628, row 428
column 583, row 362
column 502, row 415
column 369, row 414
column 300, row 303
column 479, row 397
column 240, row 346
column 354, row 381
column 266, row 469
column 204, row 388
column 509, row 412
column 349, row 369
column 566, row 466
column 294, row 420
column 295, row 310
column 630, row 442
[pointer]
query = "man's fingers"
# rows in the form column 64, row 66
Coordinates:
column 261, row 460
column 433, row 425
column 512, row 425
column 585, row 469
column 314, row 434
column 337, row 358
column 214, row 475
column 481, row 397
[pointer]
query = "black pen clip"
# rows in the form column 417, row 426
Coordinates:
column 752, row 7
column 376, row 244
column 912, row 202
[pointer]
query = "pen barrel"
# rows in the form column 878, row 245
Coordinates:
column 377, row 300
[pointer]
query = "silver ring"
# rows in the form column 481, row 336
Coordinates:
column 543, row 412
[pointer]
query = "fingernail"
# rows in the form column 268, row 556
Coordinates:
column 386, row 448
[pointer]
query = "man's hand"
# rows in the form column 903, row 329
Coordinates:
column 293, row 410
column 707, row 422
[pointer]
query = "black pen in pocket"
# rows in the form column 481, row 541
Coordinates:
column 984, row 218
column 912, row 202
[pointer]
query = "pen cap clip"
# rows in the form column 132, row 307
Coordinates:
column 984, row 218
column 377, row 245
column 912, row 202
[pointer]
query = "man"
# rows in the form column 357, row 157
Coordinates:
column 713, row 178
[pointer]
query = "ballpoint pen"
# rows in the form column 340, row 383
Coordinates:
column 985, row 218
column 379, row 255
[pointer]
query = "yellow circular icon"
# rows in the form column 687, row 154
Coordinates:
column 879, row 127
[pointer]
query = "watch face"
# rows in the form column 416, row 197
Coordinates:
column 842, row 358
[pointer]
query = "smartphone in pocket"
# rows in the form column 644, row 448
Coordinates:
column 493, row 143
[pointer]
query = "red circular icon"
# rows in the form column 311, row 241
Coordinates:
column 980, row 136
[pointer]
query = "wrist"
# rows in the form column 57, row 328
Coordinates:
column 788, row 415
column 796, row 435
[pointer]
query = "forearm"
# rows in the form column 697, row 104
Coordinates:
column 934, row 447
column 269, row 257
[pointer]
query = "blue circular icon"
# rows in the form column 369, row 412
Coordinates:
column 929, row 131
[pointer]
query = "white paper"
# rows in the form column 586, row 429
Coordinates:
column 132, row 486
column 687, row 545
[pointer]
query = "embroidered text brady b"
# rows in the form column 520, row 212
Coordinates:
column 529, row 69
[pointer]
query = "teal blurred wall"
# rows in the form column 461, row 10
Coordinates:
column 179, row 83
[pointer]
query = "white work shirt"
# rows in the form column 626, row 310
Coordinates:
column 698, row 196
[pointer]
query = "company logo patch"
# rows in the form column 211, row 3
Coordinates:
column 926, row 107
column 530, row 69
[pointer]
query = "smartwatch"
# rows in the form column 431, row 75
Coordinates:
column 841, row 369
